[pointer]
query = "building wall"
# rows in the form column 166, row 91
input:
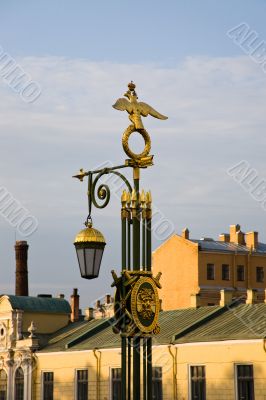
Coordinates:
column 44, row 322
column 64, row 366
column 177, row 259
column 219, row 359
column 257, row 261
column 5, row 304
column 184, row 272
column 250, row 262
column 210, row 289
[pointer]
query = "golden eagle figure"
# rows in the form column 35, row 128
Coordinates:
column 136, row 109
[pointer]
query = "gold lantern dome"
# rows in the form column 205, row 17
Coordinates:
column 89, row 234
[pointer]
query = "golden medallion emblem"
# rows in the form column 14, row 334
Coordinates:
column 145, row 305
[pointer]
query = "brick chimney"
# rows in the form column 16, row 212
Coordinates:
column 252, row 240
column 89, row 314
column 236, row 235
column 21, row 250
column 185, row 233
column 224, row 237
column 74, row 306
column 107, row 299
column 226, row 297
column 233, row 230
column 195, row 300
column 252, row 295
column 98, row 304
column 240, row 237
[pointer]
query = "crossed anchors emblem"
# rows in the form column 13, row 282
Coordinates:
column 140, row 302
column 136, row 110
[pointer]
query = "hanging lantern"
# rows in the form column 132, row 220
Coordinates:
column 89, row 244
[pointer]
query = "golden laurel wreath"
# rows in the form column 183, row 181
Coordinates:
column 146, row 138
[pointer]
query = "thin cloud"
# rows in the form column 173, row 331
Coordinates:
column 216, row 117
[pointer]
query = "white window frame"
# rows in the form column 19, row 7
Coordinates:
column 235, row 377
column 158, row 366
column 263, row 269
column 244, row 274
column 214, row 272
column 110, row 380
column 229, row 275
column 14, row 382
column 7, row 379
column 42, row 380
column 76, row 381
column 189, row 377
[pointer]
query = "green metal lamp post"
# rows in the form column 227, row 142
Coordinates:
column 136, row 300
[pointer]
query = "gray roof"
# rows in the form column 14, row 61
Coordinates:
column 211, row 323
column 39, row 304
column 224, row 247
column 246, row 321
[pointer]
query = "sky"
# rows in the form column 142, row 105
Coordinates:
column 82, row 55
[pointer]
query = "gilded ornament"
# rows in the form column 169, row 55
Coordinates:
column 145, row 305
column 136, row 110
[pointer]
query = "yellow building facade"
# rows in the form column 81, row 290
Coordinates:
column 214, row 351
column 212, row 343
column 195, row 271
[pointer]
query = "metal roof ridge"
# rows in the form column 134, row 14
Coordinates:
column 90, row 333
column 202, row 321
column 66, row 331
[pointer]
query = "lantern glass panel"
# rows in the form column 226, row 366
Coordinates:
column 98, row 260
column 89, row 257
column 81, row 260
column 89, row 261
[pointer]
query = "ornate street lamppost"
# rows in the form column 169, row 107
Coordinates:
column 136, row 300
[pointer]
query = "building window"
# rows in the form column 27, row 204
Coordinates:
column 82, row 384
column 240, row 273
column 198, row 382
column 48, row 385
column 116, row 384
column 225, row 272
column 3, row 385
column 210, row 272
column 157, row 383
column 19, row 384
column 260, row 274
column 245, row 382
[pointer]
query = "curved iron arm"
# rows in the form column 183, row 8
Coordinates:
column 103, row 191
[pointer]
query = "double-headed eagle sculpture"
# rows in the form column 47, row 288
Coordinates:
column 136, row 109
